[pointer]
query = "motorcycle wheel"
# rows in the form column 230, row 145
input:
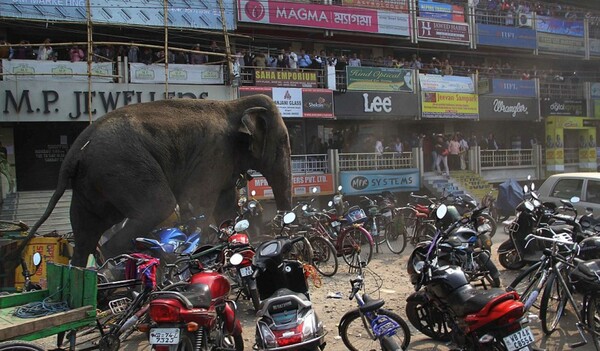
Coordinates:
column 510, row 260
column 324, row 256
column 254, row 296
column 356, row 337
column 492, row 222
column 593, row 318
column 426, row 233
column 492, row 275
column 186, row 342
column 428, row 320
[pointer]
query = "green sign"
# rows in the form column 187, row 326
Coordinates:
column 379, row 79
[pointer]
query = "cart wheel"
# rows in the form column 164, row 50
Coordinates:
column 19, row 345
column 109, row 342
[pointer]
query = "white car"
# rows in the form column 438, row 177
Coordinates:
column 586, row 186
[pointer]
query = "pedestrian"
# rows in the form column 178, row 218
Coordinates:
column 441, row 149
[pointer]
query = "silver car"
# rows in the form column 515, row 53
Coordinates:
column 586, row 186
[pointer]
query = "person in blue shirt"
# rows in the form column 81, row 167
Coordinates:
column 304, row 60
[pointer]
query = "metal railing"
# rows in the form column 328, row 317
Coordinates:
column 499, row 18
column 373, row 161
column 571, row 156
column 506, row 158
column 567, row 90
column 315, row 163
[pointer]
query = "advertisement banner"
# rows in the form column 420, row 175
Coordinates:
column 594, row 46
column 285, row 78
column 34, row 101
column 375, row 105
column 201, row 14
column 451, row 32
column 396, row 5
column 178, row 73
column 555, row 153
column 560, row 44
column 374, row 182
column 379, row 79
column 301, row 185
column 297, row 102
column 596, row 90
column 508, row 108
column 450, row 105
column 513, row 87
column 437, row 10
column 449, row 84
column 510, row 37
column 556, row 25
column 298, row 14
column 587, row 150
column 55, row 71
column 563, row 107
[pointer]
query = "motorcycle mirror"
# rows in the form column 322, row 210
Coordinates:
column 529, row 177
column 241, row 225
column 532, row 186
column 525, row 189
column 441, row 211
column 236, row 259
column 305, row 207
column 37, row 260
column 340, row 188
column 253, row 193
column 330, row 204
column 289, row 217
column 529, row 206
column 575, row 199
column 314, row 190
column 535, row 195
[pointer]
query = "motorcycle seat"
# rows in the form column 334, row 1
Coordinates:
column 371, row 304
column 562, row 228
column 468, row 300
column 285, row 292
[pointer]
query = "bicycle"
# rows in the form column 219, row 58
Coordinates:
column 370, row 326
column 555, row 275
column 381, row 224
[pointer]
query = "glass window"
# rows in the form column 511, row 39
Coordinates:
column 567, row 188
column 592, row 193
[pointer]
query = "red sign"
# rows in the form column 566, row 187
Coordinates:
column 301, row 185
column 443, row 31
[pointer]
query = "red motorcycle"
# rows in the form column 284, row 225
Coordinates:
column 197, row 316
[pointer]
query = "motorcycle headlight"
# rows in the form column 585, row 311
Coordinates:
column 242, row 201
column 252, row 205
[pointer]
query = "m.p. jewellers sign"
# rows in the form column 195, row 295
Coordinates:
column 35, row 101
column 508, row 108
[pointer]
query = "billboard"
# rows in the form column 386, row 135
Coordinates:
column 387, row 5
column 557, row 25
column 563, row 107
column 285, row 78
column 510, row 37
column 298, row 14
column 301, row 185
column 450, row 84
column 451, row 32
column 500, row 108
column 450, row 105
column 560, row 44
column 438, row 10
column 379, row 79
column 297, row 102
column 374, row 182
column 513, row 87
column 375, row 105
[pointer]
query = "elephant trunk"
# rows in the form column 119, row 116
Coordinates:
column 280, row 181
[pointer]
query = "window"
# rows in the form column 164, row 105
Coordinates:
column 592, row 193
column 567, row 188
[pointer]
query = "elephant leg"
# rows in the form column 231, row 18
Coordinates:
column 87, row 227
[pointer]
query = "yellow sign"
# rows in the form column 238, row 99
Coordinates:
column 566, row 122
column 450, row 105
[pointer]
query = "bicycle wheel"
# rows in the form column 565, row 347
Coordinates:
column 525, row 283
column 356, row 247
column 553, row 303
column 593, row 318
column 324, row 256
column 356, row 337
column 395, row 237
column 426, row 232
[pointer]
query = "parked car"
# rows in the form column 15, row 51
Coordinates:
column 586, row 186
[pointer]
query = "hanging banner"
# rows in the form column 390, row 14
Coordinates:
column 557, row 25
column 379, row 79
column 449, row 84
column 374, row 182
column 451, row 32
column 56, row 70
column 587, row 150
column 297, row 102
column 438, row 10
column 178, row 73
column 301, row 185
column 560, row 44
column 510, row 37
column 450, row 105
column 513, row 87
column 298, row 14
column 563, row 107
column 285, row 78
column 508, row 108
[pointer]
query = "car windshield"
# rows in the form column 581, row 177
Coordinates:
column 567, row 188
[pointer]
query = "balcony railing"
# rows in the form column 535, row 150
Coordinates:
column 507, row 158
column 567, row 90
column 373, row 161
column 315, row 163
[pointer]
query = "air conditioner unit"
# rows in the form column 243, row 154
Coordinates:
column 524, row 19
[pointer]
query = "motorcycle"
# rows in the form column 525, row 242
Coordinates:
column 286, row 317
column 196, row 315
column 446, row 307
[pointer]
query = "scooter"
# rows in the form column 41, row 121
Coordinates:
column 286, row 319
column 446, row 307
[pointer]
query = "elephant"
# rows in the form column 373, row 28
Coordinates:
column 136, row 164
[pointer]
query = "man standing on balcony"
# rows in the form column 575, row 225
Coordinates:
column 292, row 59
column 491, row 142
column 304, row 60
column 354, row 61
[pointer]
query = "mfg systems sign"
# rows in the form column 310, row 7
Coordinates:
column 374, row 182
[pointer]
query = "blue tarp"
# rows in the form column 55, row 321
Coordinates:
column 510, row 194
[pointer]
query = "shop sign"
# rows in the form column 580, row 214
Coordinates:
column 511, row 37
column 396, row 5
column 449, row 84
column 508, row 108
column 452, row 32
column 42, row 101
column 285, row 78
column 297, row 102
column 301, row 185
column 374, row 182
column 450, row 105
column 438, row 10
column 379, row 79
column 563, row 107
column 375, row 105
column 334, row 17
column 557, row 25
column 513, row 87
column 178, row 73
column 201, row 14
column 56, row 71
column 560, row 44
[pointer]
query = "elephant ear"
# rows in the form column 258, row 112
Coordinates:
column 254, row 124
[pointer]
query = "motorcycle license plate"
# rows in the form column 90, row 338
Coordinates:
column 164, row 336
column 246, row 271
column 519, row 340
